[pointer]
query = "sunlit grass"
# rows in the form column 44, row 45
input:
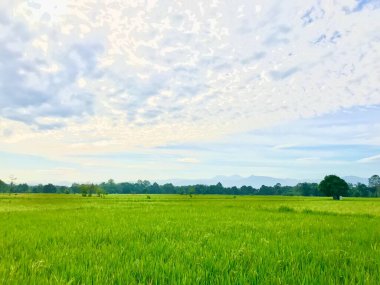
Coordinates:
column 175, row 239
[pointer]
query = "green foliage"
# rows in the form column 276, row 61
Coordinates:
column 191, row 191
column 334, row 186
column 90, row 189
column 64, row 239
column 84, row 188
column 307, row 189
column 145, row 187
column 99, row 192
column 4, row 188
column 374, row 181
column 49, row 188
column 374, row 184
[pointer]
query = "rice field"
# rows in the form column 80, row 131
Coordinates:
column 177, row 239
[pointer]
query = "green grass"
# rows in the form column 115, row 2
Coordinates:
column 175, row 239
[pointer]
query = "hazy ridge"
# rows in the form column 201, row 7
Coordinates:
column 254, row 181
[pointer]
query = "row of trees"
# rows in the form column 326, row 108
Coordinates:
column 331, row 186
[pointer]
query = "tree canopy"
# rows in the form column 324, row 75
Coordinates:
column 334, row 186
column 374, row 181
column 374, row 185
column 146, row 187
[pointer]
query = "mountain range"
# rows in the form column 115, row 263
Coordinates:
column 254, row 181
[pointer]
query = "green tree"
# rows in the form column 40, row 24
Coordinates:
column 22, row 188
column 49, row 188
column 111, row 187
column 168, row 188
column 306, row 189
column 154, row 188
column 3, row 187
column 191, row 191
column 99, row 191
column 91, row 189
column 374, row 184
column 75, row 188
column 142, row 186
column 374, row 181
column 83, row 189
column 363, row 190
column 334, row 186
column 38, row 189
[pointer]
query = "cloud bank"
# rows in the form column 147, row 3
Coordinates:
column 85, row 75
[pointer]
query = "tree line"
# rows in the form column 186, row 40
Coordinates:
column 146, row 187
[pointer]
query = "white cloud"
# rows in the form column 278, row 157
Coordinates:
column 189, row 160
column 308, row 159
column 151, row 73
column 371, row 159
column 284, row 146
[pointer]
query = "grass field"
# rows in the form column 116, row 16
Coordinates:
column 175, row 239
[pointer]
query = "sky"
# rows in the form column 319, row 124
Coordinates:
column 92, row 90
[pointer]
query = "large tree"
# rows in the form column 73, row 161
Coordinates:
column 374, row 184
column 334, row 186
column 374, row 181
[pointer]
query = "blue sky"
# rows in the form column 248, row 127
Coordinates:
column 155, row 89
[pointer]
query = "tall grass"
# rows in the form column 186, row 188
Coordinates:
column 175, row 239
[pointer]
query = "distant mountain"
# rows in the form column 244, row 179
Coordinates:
column 235, row 180
column 254, row 181
column 355, row 180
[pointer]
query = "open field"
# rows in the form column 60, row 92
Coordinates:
column 175, row 239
